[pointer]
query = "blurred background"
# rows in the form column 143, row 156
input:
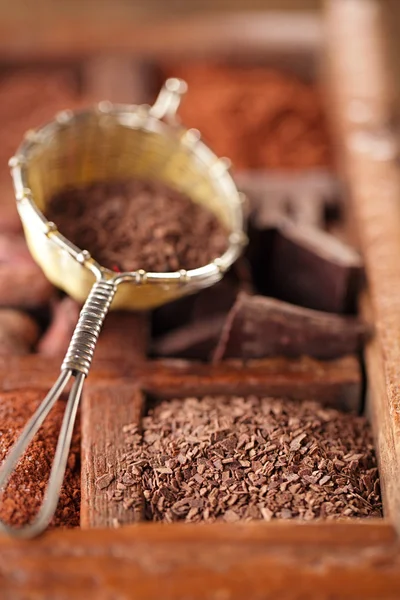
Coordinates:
column 253, row 67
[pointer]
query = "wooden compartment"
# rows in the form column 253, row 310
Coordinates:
column 261, row 560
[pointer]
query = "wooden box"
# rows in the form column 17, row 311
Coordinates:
column 251, row 560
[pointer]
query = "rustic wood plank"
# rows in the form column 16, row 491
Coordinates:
column 269, row 561
column 363, row 99
column 334, row 383
column 241, row 34
column 106, row 411
column 389, row 468
column 36, row 372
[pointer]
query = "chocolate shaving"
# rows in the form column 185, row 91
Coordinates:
column 258, row 327
column 245, row 458
column 133, row 224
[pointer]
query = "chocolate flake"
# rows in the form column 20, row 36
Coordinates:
column 132, row 224
column 104, row 481
column 245, row 458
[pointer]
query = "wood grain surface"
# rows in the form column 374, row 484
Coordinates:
column 363, row 98
column 334, row 383
column 106, row 411
column 177, row 562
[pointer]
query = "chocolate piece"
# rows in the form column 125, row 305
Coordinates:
column 311, row 268
column 22, row 283
column 219, row 298
column 196, row 340
column 18, row 332
column 202, row 317
column 248, row 458
column 172, row 315
column 258, row 326
column 57, row 337
column 131, row 225
column 212, row 301
column 24, row 493
column 292, row 257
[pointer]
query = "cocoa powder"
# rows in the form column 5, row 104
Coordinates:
column 235, row 458
column 130, row 225
column 258, row 117
column 25, row 490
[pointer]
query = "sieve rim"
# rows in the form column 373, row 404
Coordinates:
column 138, row 117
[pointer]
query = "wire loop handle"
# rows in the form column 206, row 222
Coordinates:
column 76, row 364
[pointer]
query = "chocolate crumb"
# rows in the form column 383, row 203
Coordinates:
column 133, row 224
column 240, row 459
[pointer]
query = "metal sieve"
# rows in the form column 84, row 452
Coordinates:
column 110, row 142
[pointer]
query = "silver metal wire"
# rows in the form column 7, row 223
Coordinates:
column 50, row 501
column 76, row 363
column 83, row 343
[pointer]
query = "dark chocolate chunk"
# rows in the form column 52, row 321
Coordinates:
column 311, row 268
column 258, row 326
column 292, row 257
column 179, row 324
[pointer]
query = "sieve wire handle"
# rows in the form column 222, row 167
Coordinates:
column 169, row 99
column 76, row 363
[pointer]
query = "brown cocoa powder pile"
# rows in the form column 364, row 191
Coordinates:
column 258, row 117
column 133, row 224
column 24, row 493
column 232, row 459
